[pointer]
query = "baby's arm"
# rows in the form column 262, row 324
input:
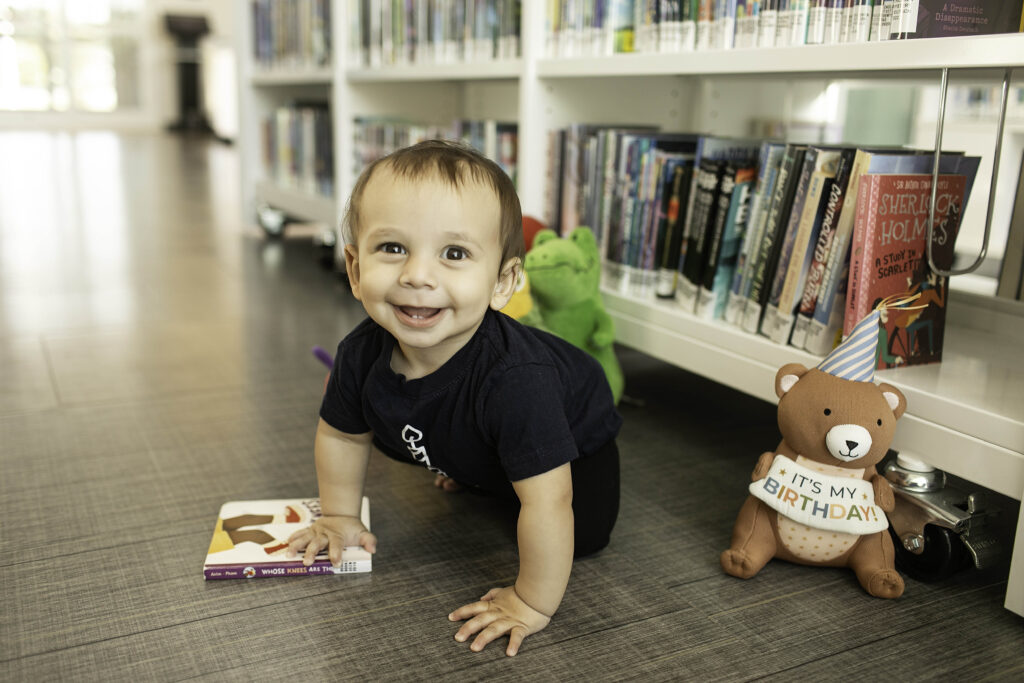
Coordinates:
column 545, row 560
column 341, row 461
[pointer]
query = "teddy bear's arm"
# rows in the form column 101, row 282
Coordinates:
column 764, row 463
column 884, row 497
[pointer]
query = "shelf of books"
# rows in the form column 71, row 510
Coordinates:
column 270, row 76
column 964, row 415
column 459, row 71
column 874, row 59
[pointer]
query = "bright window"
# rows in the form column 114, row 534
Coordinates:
column 69, row 55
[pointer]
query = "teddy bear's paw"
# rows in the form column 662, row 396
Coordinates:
column 885, row 583
column 738, row 563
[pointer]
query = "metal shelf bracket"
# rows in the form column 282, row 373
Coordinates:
column 943, row 87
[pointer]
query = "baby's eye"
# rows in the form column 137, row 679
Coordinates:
column 455, row 253
column 391, row 248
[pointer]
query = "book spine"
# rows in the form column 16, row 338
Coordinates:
column 735, row 227
column 798, row 260
column 759, row 205
column 705, row 205
column 860, row 252
column 678, row 201
column 709, row 268
column 770, row 242
column 822, row 246
column 793, row 222
column 822, row 180
column 277, row 570
column 824, row 325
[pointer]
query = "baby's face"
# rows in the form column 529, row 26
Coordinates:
column 426, row 263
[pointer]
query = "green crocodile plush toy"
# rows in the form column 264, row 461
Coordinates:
column 564, row 277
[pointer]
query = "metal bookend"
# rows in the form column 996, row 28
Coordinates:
column 943, row 87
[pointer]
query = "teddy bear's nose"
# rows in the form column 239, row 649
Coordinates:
column 851, row 444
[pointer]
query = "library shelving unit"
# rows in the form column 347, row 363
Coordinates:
column 965, row 415
column 262, row 89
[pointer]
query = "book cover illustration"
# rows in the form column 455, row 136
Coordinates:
column 250, row 540
column 888, row 257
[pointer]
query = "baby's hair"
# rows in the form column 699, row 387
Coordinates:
column 453, row 163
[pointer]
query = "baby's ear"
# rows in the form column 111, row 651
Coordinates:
column 506, row 285
column 352, row 268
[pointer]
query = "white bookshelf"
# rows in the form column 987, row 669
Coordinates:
column 965, row 415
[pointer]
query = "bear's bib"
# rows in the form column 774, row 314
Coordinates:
column 817, row 499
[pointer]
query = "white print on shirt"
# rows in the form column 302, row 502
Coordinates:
column 411, row 436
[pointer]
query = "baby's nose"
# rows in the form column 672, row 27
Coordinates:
column 418, row 272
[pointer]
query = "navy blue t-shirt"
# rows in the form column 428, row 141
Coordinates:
column 512, row 403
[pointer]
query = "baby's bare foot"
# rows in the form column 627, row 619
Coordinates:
column 447, row 484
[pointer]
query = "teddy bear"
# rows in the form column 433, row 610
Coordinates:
column 564, row 278
column 817, row 499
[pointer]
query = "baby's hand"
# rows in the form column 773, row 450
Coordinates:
column 499, row 612
column 333, row 533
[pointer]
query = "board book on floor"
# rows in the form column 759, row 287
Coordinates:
column 250, row 540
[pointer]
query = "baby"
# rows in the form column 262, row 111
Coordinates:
column 437, row 376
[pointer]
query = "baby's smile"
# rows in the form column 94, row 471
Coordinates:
column 417, row 315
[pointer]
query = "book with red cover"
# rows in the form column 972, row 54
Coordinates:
column 888, row 256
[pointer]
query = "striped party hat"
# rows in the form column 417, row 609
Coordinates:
column 855, row 358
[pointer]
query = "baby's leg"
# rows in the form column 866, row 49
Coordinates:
column 595, row 498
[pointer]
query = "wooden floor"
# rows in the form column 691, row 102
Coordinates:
column 155, row 362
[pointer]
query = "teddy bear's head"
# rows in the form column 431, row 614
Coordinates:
column 836, row 421
column 563, row 272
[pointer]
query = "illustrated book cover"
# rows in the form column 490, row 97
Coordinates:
column 888, row 256
column 250, row 540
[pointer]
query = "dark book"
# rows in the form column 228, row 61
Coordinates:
column 942, row 18
column 798, row 248
column 723, row 252
column 702, row 221
column 770, row 245
column 833, row 204
column 670, row 230
column 789, row 234
column 769, row 159
column 553, row 196
column 668, row 150
column 713, row 148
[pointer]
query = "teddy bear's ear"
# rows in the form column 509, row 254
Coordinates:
column 787, row 376
column 895, row 398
